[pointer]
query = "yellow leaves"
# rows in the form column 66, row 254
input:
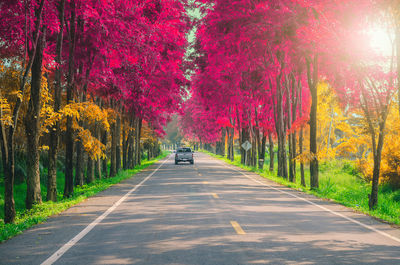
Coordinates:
column 111, row 115
column 305, row 157
column 44, row 148
column 71, row 110
column 88, row 112
column 390, row 163
column 5, row 112
column 91, row 144
column 17, row 93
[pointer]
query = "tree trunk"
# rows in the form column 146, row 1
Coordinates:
column 282, row 158
column 113, row 166
column 98, row 168
column 55, row 131
column 79, row 164
column 373, row 197
column 303, row 180
column 125, row 139
column 312, row 84
column 98, row 161
column 131, row 150
column 90, row 170
column 69, row 141
column 32, row 128
column 118, row 144
column 223, row 138
column 137, row 142
column 104, row 141
column 289, row 102
column 231, row 143
column 271, row 152
column 7, row 151
column 262, row 152
column 295, row 99
column 253, row 152
column 281, row 132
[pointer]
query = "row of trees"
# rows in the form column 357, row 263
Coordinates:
column 83, row 77
column 259, row 65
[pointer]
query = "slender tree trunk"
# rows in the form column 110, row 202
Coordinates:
column 125, row 139
column 79, row 164
column 104, row 141
column 289, row 103
column 223, row 139
column 262, row 152
column 118, row 144
column 7, row 154
column 312, row 84
column 281, row 132
column 137, row 142
column 131, row 151
column 55, row 131
column 98, row 168
column 373, row 197
column 303, row 180
column 282, row 158
column 98, row 161
column 377, row 150
column 90, row 170
column 254, row 147
column 229, row 143
column 328, row 142
column 296, row 90
column 69, row 141
column 271, row 152
column 32, row 128
column 113, row 166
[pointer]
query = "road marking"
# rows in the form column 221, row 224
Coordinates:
column 237, row 228
column 317, row 205
column 215, row 195
column 205, row 182
column 53, row 258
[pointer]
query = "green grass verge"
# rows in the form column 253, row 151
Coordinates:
column 339, row 182
column 40, row 212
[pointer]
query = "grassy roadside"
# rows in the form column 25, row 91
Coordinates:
column 338, row 182
column 41, row 212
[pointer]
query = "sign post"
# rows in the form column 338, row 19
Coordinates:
column 246, row 146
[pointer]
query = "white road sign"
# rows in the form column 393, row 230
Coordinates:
column 246, row 146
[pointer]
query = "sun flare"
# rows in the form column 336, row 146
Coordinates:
column 381, row 40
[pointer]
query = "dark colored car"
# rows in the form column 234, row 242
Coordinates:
column 184, row 154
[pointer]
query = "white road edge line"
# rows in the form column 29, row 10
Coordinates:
column 53, row 258
column 317, row 205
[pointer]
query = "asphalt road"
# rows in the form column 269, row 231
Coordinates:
column 206, row 213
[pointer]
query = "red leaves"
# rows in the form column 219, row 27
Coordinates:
column 251, row 53
column 132, row 50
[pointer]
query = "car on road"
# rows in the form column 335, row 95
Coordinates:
column 184, row 154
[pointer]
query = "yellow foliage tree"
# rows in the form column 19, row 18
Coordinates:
column 91, row 114
column 390, row 164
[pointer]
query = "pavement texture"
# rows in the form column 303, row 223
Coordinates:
column 206, row 213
